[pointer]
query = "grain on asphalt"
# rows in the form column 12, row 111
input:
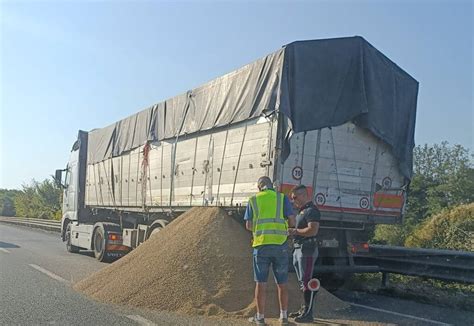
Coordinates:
column 201, row 263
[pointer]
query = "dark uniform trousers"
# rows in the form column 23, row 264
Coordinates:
column 304, row 256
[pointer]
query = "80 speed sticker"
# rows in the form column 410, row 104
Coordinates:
column 320, row 199
column 297, row 173
column 364, row 202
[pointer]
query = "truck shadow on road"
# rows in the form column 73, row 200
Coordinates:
column 8, row 245
column 87, row 253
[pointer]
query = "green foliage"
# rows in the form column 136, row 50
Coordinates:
column 450, row 229
column 393, row 235
column 443, row 178
column 39, row 200
column 7, row 205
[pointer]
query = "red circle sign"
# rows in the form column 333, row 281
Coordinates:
column 313, row 284
column 297, row 173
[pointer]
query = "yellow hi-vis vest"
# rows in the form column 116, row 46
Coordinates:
column 269, row 223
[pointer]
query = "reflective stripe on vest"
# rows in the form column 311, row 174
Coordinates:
column 253, row 201
column 271, row 232
column 271, row 220
column 269, row 224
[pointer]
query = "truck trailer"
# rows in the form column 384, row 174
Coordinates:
column 335, row 115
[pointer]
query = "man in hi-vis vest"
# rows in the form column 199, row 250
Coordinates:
column 268, row 215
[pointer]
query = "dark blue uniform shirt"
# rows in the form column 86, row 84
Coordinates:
column 308, row 213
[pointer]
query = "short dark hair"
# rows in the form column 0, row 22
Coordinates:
column 299, row 188
column 264, row 183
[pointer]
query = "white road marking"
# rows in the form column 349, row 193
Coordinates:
column 140, row 320
column 50, row 274
column 399, row 314
column 4, row 250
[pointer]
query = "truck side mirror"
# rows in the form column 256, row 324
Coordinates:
column 58, row 178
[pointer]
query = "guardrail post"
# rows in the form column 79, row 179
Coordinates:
column 385, row 279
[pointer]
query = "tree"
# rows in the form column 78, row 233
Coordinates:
column 443, row 177
column 39, row 200
column 449, row 229
column 7, row 198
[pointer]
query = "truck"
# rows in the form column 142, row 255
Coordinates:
column 335, row 115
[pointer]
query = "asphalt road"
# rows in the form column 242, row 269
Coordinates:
column 36, row 274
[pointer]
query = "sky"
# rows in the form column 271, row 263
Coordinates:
column 70, row 65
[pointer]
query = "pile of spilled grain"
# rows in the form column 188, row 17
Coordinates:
column 201, row 263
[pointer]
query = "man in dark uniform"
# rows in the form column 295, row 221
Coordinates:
column 306, row 247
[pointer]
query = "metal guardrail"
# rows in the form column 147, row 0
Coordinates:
column 49, row 225
column 447, row 265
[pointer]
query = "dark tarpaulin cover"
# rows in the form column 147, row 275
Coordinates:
column 238, row 96
column 315, row 84
column 329, row 82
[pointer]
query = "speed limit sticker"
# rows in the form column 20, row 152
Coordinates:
column 297, row 173
column 364, row 202
column 320, row 199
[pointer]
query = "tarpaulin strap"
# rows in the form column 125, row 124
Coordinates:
column 337, row 173
column 111, row 188
column 238, row 165
column 145, row 165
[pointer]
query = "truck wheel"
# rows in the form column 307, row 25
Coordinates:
column 332, row 282
column 69, row 246
column 156, row 227
column 155, row 231
column 99, row 244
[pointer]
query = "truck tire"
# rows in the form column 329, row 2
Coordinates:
column 331, row 282
column 156, row 227
column 154, row 231
column 336, row 280
column 69, row 246
column 100, row 243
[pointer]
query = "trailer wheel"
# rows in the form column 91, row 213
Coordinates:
column 332, row 282
column 336, row 280
column 100, row 243
column 69, row 247
column 155, row 231
column 156, row 227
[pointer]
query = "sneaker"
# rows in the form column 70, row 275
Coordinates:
column 297, row 313
column 256, row 321
column 304, row 319
column 283, row 321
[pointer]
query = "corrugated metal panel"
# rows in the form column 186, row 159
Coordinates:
column 219, row 168
column 348, row 171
